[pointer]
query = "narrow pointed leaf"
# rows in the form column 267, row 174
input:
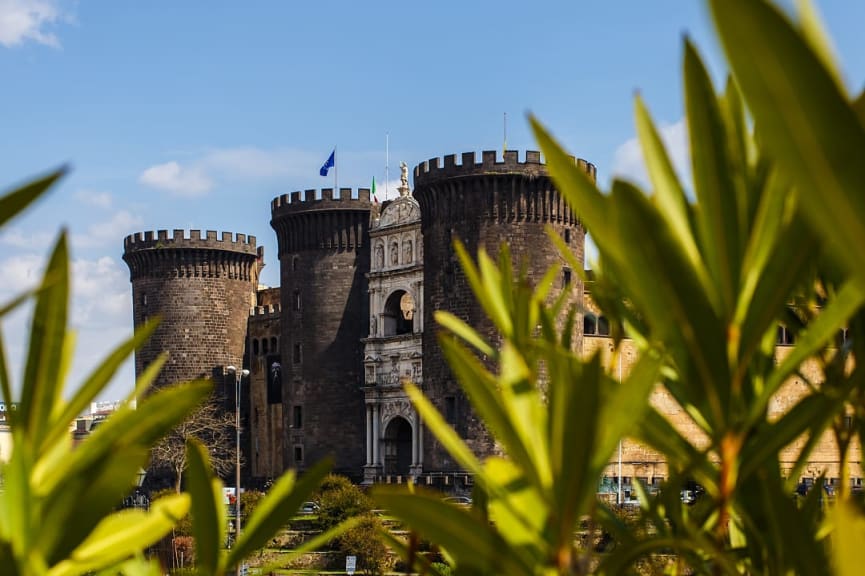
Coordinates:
column 42, row 382
column 17, row 200
column 716, row 196
column 805, row 120
column 276, row 509
column 123, row 534
column 206, row 496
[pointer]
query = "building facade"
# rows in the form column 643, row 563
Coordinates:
column 331, row 348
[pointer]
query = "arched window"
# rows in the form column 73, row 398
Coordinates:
column 590, row 324
column 398, row 316
column 603, row 326
column 273, row 346
column 255, row 346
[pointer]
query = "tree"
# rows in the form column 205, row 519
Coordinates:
column 214, row 428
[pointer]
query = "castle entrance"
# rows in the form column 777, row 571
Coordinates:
column 397, row 447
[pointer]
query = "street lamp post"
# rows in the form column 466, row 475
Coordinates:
column 239, row 374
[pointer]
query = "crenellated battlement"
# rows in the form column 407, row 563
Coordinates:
column 264, row 312
column 160, row 255
column 310, row 200
column 311, row 220
column 179, row 239
column 491, row 163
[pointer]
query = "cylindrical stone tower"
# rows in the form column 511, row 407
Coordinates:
column 483, row 204
column 324, row 260
column 202, row 289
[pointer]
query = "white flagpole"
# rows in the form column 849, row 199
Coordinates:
column 335, row 173
column 386, row 161
column 505, row 132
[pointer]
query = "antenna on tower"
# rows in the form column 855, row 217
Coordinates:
column 505, row 133
column 386, row 161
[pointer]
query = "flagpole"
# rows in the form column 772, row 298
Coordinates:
column 335, row 173
column 386, row 161
column 505, row 131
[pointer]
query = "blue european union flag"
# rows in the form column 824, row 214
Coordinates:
column 329, row 164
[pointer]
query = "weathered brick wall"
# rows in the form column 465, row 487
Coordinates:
column 201, row 288
column 324, row 258
column 483, row 204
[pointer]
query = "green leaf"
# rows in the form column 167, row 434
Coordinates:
column 804, row 118
column 71, row 512
column 470, row 540
column 450, row 440
column 17, row 200
column 716, row 196
column 276, row 509
column 481, row 388
column 848, row 548
column 123, row 534
column 127, row 428
column 668, row 192
column 206, row 495
column 462, row 330
column 626, row 405
column 42, row 385
column 820, row 331
column 100, row 377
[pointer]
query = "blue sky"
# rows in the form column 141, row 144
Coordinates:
column 196, row 114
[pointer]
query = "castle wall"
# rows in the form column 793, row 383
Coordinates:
column 202, row 289
column 266, row 419
column 483, row 204
column 324, row 258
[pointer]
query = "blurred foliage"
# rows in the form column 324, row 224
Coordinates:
column 60, row 502
column 249, row 501
column 698, row 276
column 339, row 500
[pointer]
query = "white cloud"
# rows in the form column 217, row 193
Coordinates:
column 94, row 198
column 15, row 238
column 23, row 20
column 101, row 293
column 100, row 314
column 628, row 159
column 172, row 177
column 20, row 272
column 107, row 232
column 248, row 166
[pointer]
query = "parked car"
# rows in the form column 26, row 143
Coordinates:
column 458, row 500
column 309, row 508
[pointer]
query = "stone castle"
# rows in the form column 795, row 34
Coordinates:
column 329, row 349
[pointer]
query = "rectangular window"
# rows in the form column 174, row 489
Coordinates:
column 298, row 454
column 450, row 409
column 566, row 277
column 274, row 380
column 296, row 354
column 297, row 300
column 298, row 416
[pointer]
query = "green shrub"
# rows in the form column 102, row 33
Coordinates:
column 340, row 500
column 364, row 541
